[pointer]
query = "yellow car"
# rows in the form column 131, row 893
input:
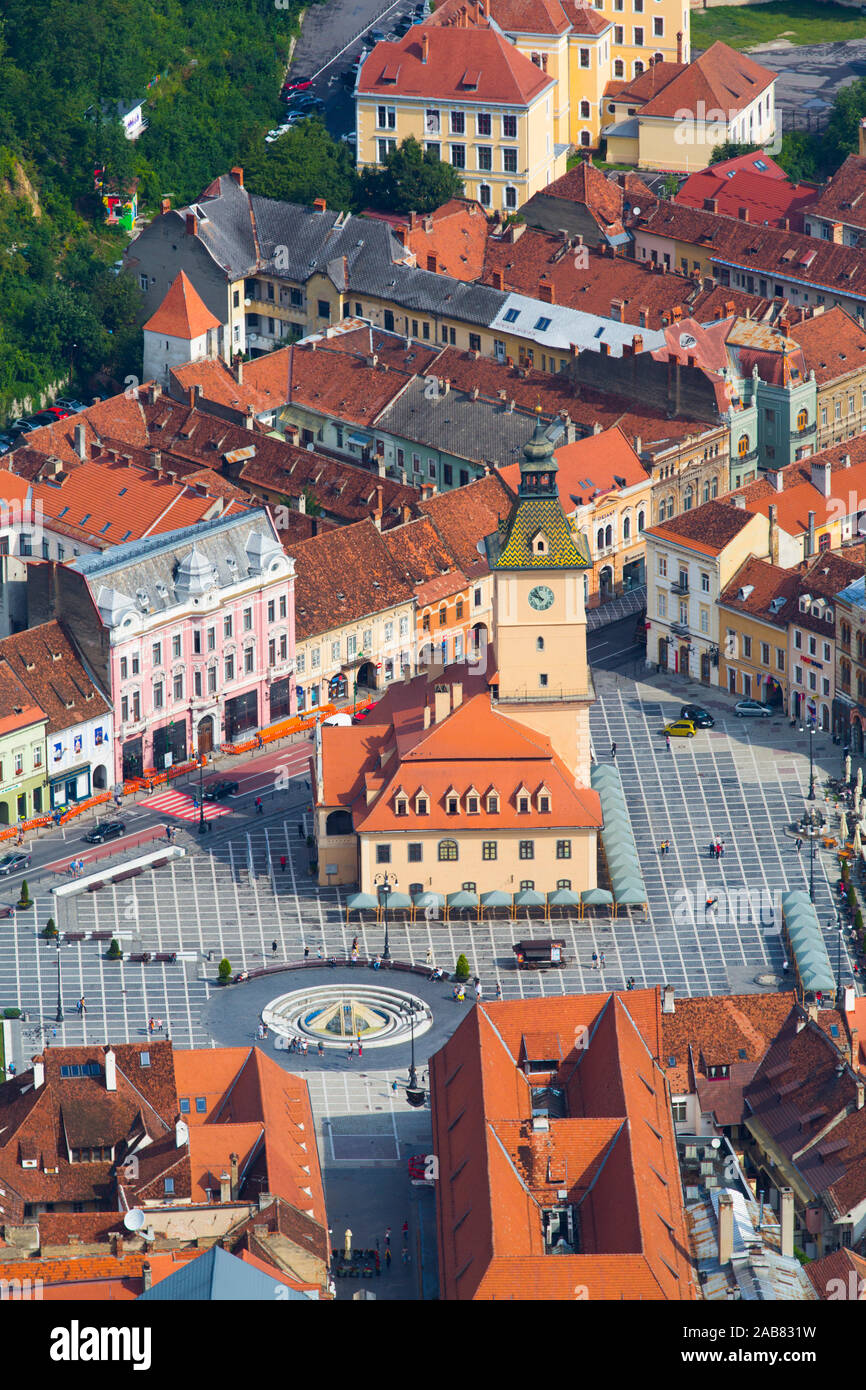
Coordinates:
column 680, row 728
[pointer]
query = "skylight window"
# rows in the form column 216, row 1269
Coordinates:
column 86, row 518
column 512, row 315
column 62, row 512
column 542, row 324
column 106, row 527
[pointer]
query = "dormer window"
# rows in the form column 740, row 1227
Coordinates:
column 538, row 544
column 422, row 804
column 544, row 801
column 452, row 802
column 493, row 803
column 402, row 806
column 524, row 801
column 473, row 802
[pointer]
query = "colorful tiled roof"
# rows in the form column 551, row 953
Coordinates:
column 531, row 515
column 721, row 78
column 46, row 662
column 841, row 200
column 768, row 199
column 708, row 528
column 833, row 344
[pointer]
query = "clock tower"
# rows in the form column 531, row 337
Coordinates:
column 539, row 613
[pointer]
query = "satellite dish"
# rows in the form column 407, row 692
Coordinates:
column 635, row 212
column 715, row 1143
column 687, row 340
column 134, row 1220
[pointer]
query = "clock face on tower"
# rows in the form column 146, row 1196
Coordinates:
column 540, row 597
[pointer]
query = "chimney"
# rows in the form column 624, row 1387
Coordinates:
column 79, row 435
column 812, row 1011
column 679, row 47
column 165, row 205
column 776, row 479
column 239, row 369
column 636, row 443
column 401, row 234
column 730, row 308
column 191, row 396
column 238, row 175
column 740, row 501
column 441, row 705
column 302, row 505
column 726, row 1228
column 233, row 1160
column 156, row 460
column 836, row 235
column 773, row 540
column 117, row 1245
column 848, row 996
column 425, row 47
column 155, row 392
column 497, row 280
column 38, row 1072
column 146, row 1276
column 545, row 293
column 413, row 220
column 846, row 460
column 668, row 1006
column 616, row 310
column 786, row 1221
column 191, row 224
column 380, row 466
column 456, row 694
column 320, row 204
column 345, row 272
column 743, row 214
column 181, row 1133
column 637, row 343
column 711, row 205
column 861, row 1095
column 810, row 536
column 225, row 1188
column 784, row 325
column 427, row 713
column 820, row 475
column 110, row 1071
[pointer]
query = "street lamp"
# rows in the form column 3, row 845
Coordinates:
column 386, row 887
column 839, row 929
column 415, row 1094
column 58, row 1017
column 202, row 823
column 810, row 728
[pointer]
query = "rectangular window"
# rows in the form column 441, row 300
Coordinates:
column 488, row 849
column 638, row 38
column 227, row 625
column 527, row 849
column 183, row 1102
column 483, row 123
column 798, row 639
column 780, row 659
column 229, row 668
column 458, row 122
column 272, row 611
column 509, row 161
column 351, row 646
column 211, row 680
column 386, row 117
column 157, row 694
column 249, row 660
column 415, row 852
column 747, row 645
column 177, row 686
column 485, row 157
column 509, row 127
column 765, row 653
column 584, row 58
column 157, row 653
column 211, row 639
column 272, row 652
column 563, row 849
column 458, row 156
column 248, row 620
column 658, row 28
column 124, row 669
column 383, row 854
column 196, row 642
column 201, row 1105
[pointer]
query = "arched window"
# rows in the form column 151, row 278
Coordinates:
column 802, row 418
column 706, row 492
column 845, row 633
column 743, row 445
column 626, row 528
column 670, row 507
column 585, row 137
column 599, row 539
column 638, row 68
column 861, row 646
column 687, row 499
column 618, row 68
column 539, row 644
column 662, row 510
column 714, row 491
column 845, row 674
column 608, row 535
column 640, row 522
column 584, row 110
column 447, row 849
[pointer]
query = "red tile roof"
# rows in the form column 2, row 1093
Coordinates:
column 841, row 1275
column 753, row 588
column 183, row 313
column 769, row 199
column 841, row 200
column 454, row 236
column 708, row 528
column 648, row 84
column 490, row 69
column 354, row 375
column 464, row 516
column 46, row 662
column 799, row 496
column 833, row 344
column 721, row 78
column 591, row 468
column 18, row 709
column 613, row 1152
column 345, row 575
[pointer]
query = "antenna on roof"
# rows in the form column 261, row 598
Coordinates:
column 134, row 1219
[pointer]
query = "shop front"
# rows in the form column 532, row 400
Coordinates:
column 241, row 714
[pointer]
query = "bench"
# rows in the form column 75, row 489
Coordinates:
column 170, row 956
column 98, row 936
column 142, row 957
column 74, row 935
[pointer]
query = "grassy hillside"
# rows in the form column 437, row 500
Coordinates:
column 798, row 21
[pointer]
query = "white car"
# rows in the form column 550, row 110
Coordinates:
column 350, row 138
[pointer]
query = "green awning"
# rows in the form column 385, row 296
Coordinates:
column 462, row 899
column 596, row 896
column 361, row 902
column 397, row 902
column 429, row 900
column 496, row 899
column 563, row 897
column 529, row 897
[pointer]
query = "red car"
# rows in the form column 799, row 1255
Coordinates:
column 298, row 84
column 58, row 411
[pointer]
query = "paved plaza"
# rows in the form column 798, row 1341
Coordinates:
column 742, row 782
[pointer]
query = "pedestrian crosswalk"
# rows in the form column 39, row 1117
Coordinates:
column 183, row 807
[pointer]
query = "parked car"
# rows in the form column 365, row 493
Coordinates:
column 297, row 84
column 700, row 717
column 58, row 411
column 12, row 862
column 403, row 26
column 42, row 417
column 19, row 427
column 746, row 708
column 74, row 407
column 680, row 728
column 374, row 36
column 6, row 443
column 105, row 830
column 218, row 791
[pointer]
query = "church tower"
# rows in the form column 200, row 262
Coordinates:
column 539, row 613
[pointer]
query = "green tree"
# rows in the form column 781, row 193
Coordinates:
column 731, row 149
column 224, row 973
column 411, row 180
column 50, row 929
column 462, row 970
column 114, row 952
column 304, row 164
column 842, row 133
column 25, row 899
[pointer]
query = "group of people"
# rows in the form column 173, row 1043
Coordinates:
column 598, row 960
column 76, row 868
column 665, row 847
column 155, row 1025
column 717, row 849
column 459, row 991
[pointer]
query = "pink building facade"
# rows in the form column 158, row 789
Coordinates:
column 198, row 636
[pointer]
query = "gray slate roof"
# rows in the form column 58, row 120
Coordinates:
column 218, row 1276
column 476, row 430
column 142, row 576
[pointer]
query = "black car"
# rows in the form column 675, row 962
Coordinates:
column 19, row 427
column 6, row 443
column 12, row 862
column 218, row 791
column 700, row 717
column 105, row 830
column 402, row 27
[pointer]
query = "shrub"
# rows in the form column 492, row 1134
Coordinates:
column 11, row 1013
column 50, row 928
column 462, row 971
column 845, row 874
column 114, row 952
column 858, row 920
column 25, row 900
column 224, row 973
column 852, row 896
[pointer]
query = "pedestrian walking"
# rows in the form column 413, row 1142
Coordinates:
column 668, row 741
column 306, row 953
column 82, row 1007
column 712, row 850
column 394, row 1085
column 260, row 810
column 283, row 862
column 404, row 1254
column 354, row 943
column 601, row 959
column 722, row 850
column 321, row 1049
column 613, row 751
column 387, row 1257
column 798, row 846
column 150, row 1025
column 168, row 832
column 351, row 1050
column 498, row 990
column 304, row 1044
column 594, row 960
column 273, row 948
column 429, row 956
column 405, row 1232
column 360, row 1050
column 387, row 1236
column 300, row 830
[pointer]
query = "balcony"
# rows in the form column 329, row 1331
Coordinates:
column 680, row 629
column 681, row 585
column 805, row 433
column 739, row 460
